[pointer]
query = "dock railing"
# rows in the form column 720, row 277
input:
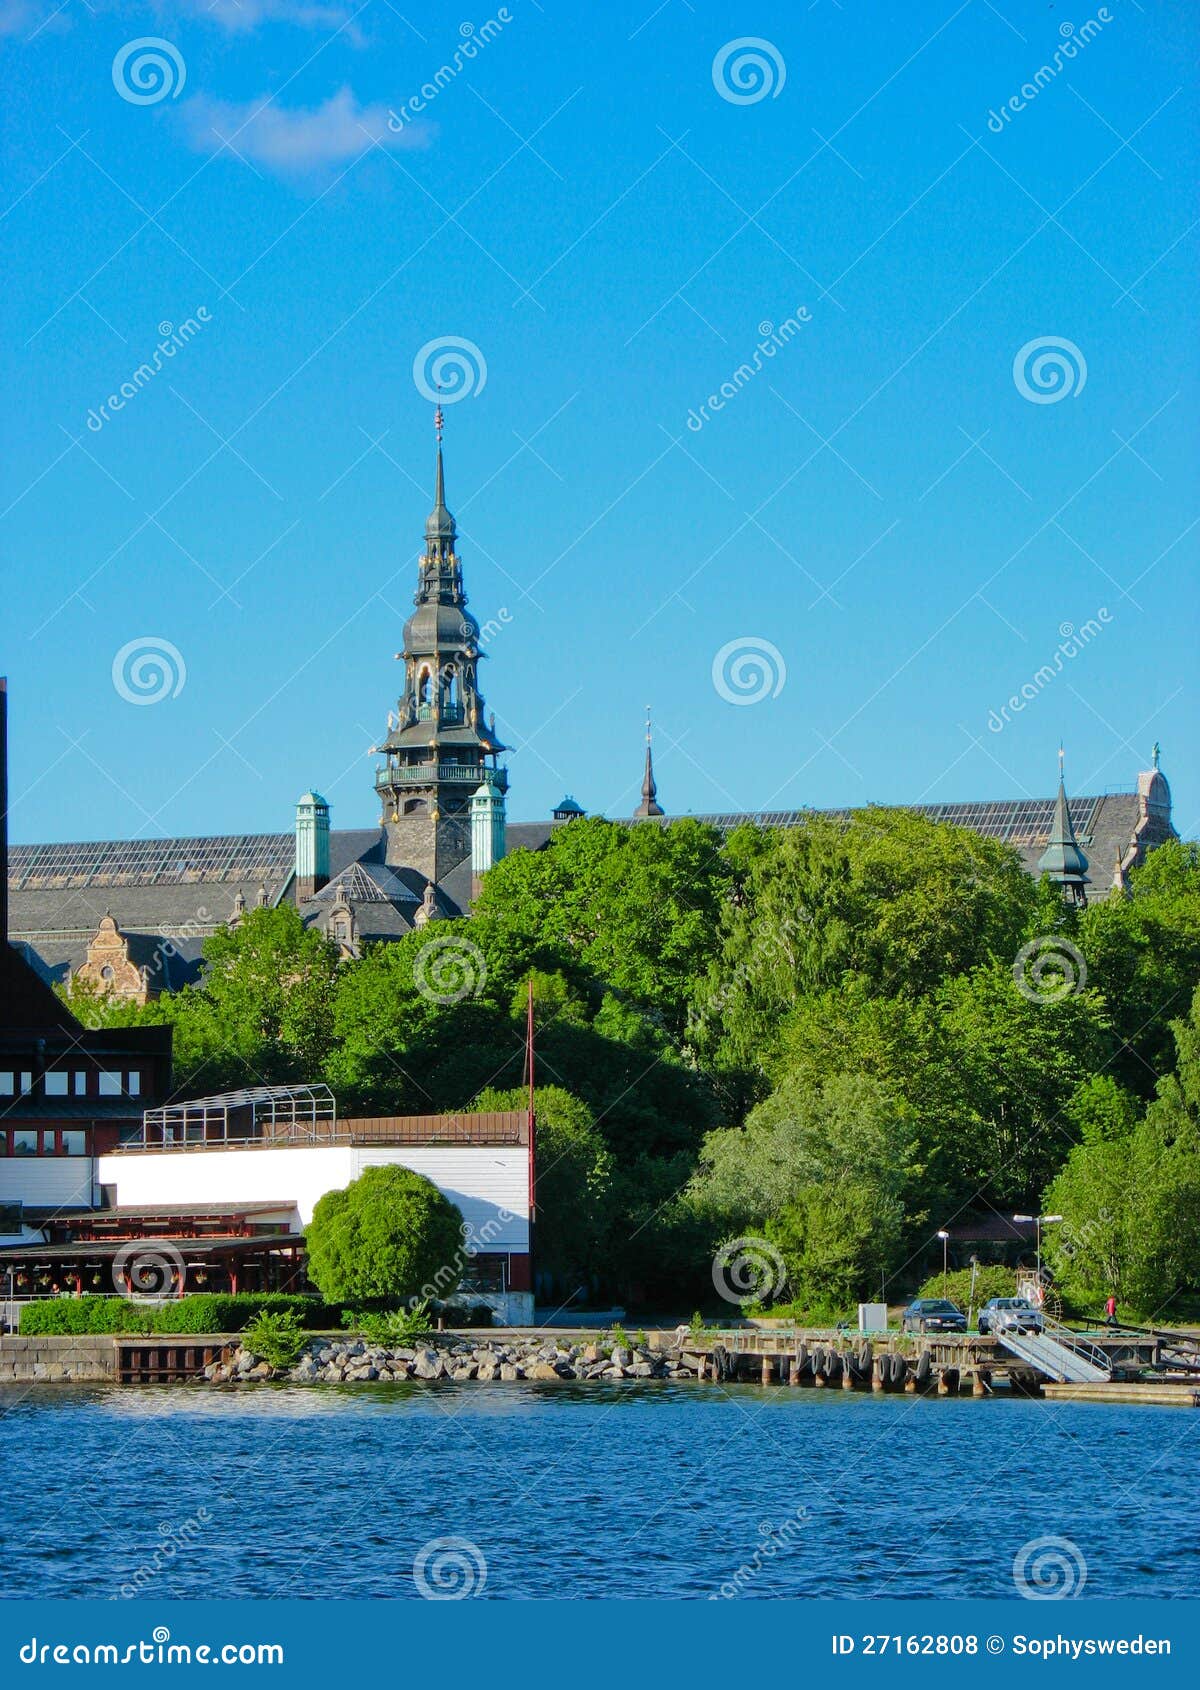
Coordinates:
column 1074, row 1341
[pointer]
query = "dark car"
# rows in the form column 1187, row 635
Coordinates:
column 1010, row 1314
column 932, row 1314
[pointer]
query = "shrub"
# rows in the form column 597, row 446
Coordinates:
column 203, row 1312
column 277, row 1337
column 400, row 1326
column 989, row 1282
column 389, row 1234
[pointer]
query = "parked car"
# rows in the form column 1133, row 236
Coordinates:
column 932, row 1314
column 1010, row 1314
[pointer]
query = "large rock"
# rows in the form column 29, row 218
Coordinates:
column 508, row 1371
column 620, row 1356
column 541, row 1370
column 428, row 1364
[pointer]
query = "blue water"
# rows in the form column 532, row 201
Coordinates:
column 584, row 1491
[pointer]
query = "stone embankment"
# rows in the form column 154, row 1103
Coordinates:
column 337, row 1361
column 57, row 1360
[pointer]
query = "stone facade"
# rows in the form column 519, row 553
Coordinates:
column 109, row 969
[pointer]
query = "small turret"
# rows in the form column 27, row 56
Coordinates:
column 312, row 845
column 487, row 830
column 1062, row 860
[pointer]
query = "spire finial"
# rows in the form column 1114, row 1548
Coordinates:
column 1061, row 759
column 1155, row 754
column 438, row 424
column 649, row 805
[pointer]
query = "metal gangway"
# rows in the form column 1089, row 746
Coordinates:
column 1059, row 1354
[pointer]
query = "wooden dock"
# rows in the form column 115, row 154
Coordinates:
column 1154, row 1393
column 168, row 1360
column 945, row 1364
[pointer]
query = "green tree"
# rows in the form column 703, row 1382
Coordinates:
column 891, row 896
column 1143, row 953
column 574, row 1185
column 823, row 1169
column 1010, row 1068
column 389, row 1234
column 1164, row 1180
column 1130, row 1191
column 635, row 907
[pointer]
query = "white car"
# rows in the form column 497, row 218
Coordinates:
column 1012, row 1314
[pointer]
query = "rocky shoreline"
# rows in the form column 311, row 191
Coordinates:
column 337, row 1361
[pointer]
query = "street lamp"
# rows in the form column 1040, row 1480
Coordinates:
column 1039, row 1221
column 945, row 1238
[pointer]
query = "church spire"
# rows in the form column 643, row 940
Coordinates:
column 440, row 529
column 649, row 805
column 1062, row 860
column 441, row 743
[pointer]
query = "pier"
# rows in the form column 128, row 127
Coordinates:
column 1096, row 1365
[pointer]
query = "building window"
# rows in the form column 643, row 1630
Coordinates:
column 56, row 1084
column 8, row 1084
column 26, row 1080
column 74, row 1144
column 135, row 1085
column 110, row 1084
column 25, row 1142
column 81, row 1084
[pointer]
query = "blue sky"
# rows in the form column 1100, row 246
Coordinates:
column 902, row 536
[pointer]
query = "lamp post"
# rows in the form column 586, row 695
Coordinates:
column 1039, row 1221
column 945, row 1238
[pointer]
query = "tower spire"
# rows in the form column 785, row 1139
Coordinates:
column 1063, row 860
column 441, row 531
column 649, row 805
column 440, row 744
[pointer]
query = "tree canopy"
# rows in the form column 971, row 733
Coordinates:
column 824, row 1034
column 389, row 1234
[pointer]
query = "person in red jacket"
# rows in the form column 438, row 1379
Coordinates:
column 1110, row 1310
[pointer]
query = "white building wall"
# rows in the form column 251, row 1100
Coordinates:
column 46, row 1182
column 487, row 1182
column 490, row 1184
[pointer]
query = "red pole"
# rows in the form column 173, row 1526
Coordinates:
column 532, row 1131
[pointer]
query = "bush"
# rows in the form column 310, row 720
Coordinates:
column 989, row 1282
column 277, row 1338
column 400, row 1326
column 389, row 1234
column 203, row 1312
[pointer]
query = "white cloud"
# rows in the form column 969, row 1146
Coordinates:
column 297, row 140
